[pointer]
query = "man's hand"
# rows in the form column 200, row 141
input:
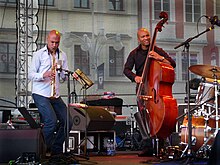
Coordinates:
column 49, row 74
column 156, row 56
column 138, row 79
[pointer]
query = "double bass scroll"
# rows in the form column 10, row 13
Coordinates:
column 164, row 17
column 156, row 91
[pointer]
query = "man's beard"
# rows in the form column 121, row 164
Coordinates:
column 147, row 45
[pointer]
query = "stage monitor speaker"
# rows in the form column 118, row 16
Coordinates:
column 15, row 142
column 214, row 158
column 97, row 118
column 5, row 115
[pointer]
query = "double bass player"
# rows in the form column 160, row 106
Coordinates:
column 136, row 60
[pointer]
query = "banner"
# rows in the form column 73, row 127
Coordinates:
column 100, row 76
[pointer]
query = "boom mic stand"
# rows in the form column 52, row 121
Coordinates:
column 67, row 73
column 187, row 45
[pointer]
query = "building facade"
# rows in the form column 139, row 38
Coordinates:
column 98, row 35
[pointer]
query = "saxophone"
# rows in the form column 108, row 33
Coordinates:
column 53, row 80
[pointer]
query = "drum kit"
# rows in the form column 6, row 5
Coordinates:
column 205, row 118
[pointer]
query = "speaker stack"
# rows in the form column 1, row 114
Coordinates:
column 15, row 142
column 214, row 158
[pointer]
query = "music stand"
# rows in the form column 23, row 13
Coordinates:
column 28, row 118
column 83, row 79
column 86, row 83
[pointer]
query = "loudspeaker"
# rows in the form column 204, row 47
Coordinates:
column 94, row 118
column 16, row 142
column 214, row 158
column 5, row 115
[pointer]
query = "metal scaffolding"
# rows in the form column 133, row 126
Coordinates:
column 27, row 33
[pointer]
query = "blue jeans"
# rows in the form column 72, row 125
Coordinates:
column 53, row 114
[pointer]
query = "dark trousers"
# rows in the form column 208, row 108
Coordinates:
column 53, row 114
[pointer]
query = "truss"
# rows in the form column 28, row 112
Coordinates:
column 27, row 33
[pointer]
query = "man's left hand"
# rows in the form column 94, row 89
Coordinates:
column 156, row 56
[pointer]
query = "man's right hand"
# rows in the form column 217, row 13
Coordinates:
column 48, row 74
column 138, row 79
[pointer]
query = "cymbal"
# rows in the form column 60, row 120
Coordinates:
column 210, row 80
column 207, row 71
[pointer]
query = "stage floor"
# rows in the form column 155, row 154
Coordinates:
column 120, row 158
column 131, row 158
column 126, row 158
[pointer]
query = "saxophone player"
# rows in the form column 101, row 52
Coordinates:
column 46, row 93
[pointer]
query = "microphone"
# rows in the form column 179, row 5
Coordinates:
column 214, row 20
column 59, row 66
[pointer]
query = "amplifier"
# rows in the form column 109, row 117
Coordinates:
column 15, row 142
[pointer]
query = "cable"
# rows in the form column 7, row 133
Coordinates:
column 197, row 23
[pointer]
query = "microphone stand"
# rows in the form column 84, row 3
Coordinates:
column 186, row 46
column 67, row 73
column 73, row 93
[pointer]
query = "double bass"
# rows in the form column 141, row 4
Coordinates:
column 156, row 91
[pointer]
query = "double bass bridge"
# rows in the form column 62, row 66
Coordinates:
column 145, row 97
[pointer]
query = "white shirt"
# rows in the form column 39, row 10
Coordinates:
column 42, row 62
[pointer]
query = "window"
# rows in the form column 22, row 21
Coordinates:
column 81, row 4
column 46, row 2
column 116, row 5
column 161, row 5
column 81, row 59
column 8, row 1
column 193, row 61
column 192, row 10
column 173, row 56
column 116, row 62
column 7, row 57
